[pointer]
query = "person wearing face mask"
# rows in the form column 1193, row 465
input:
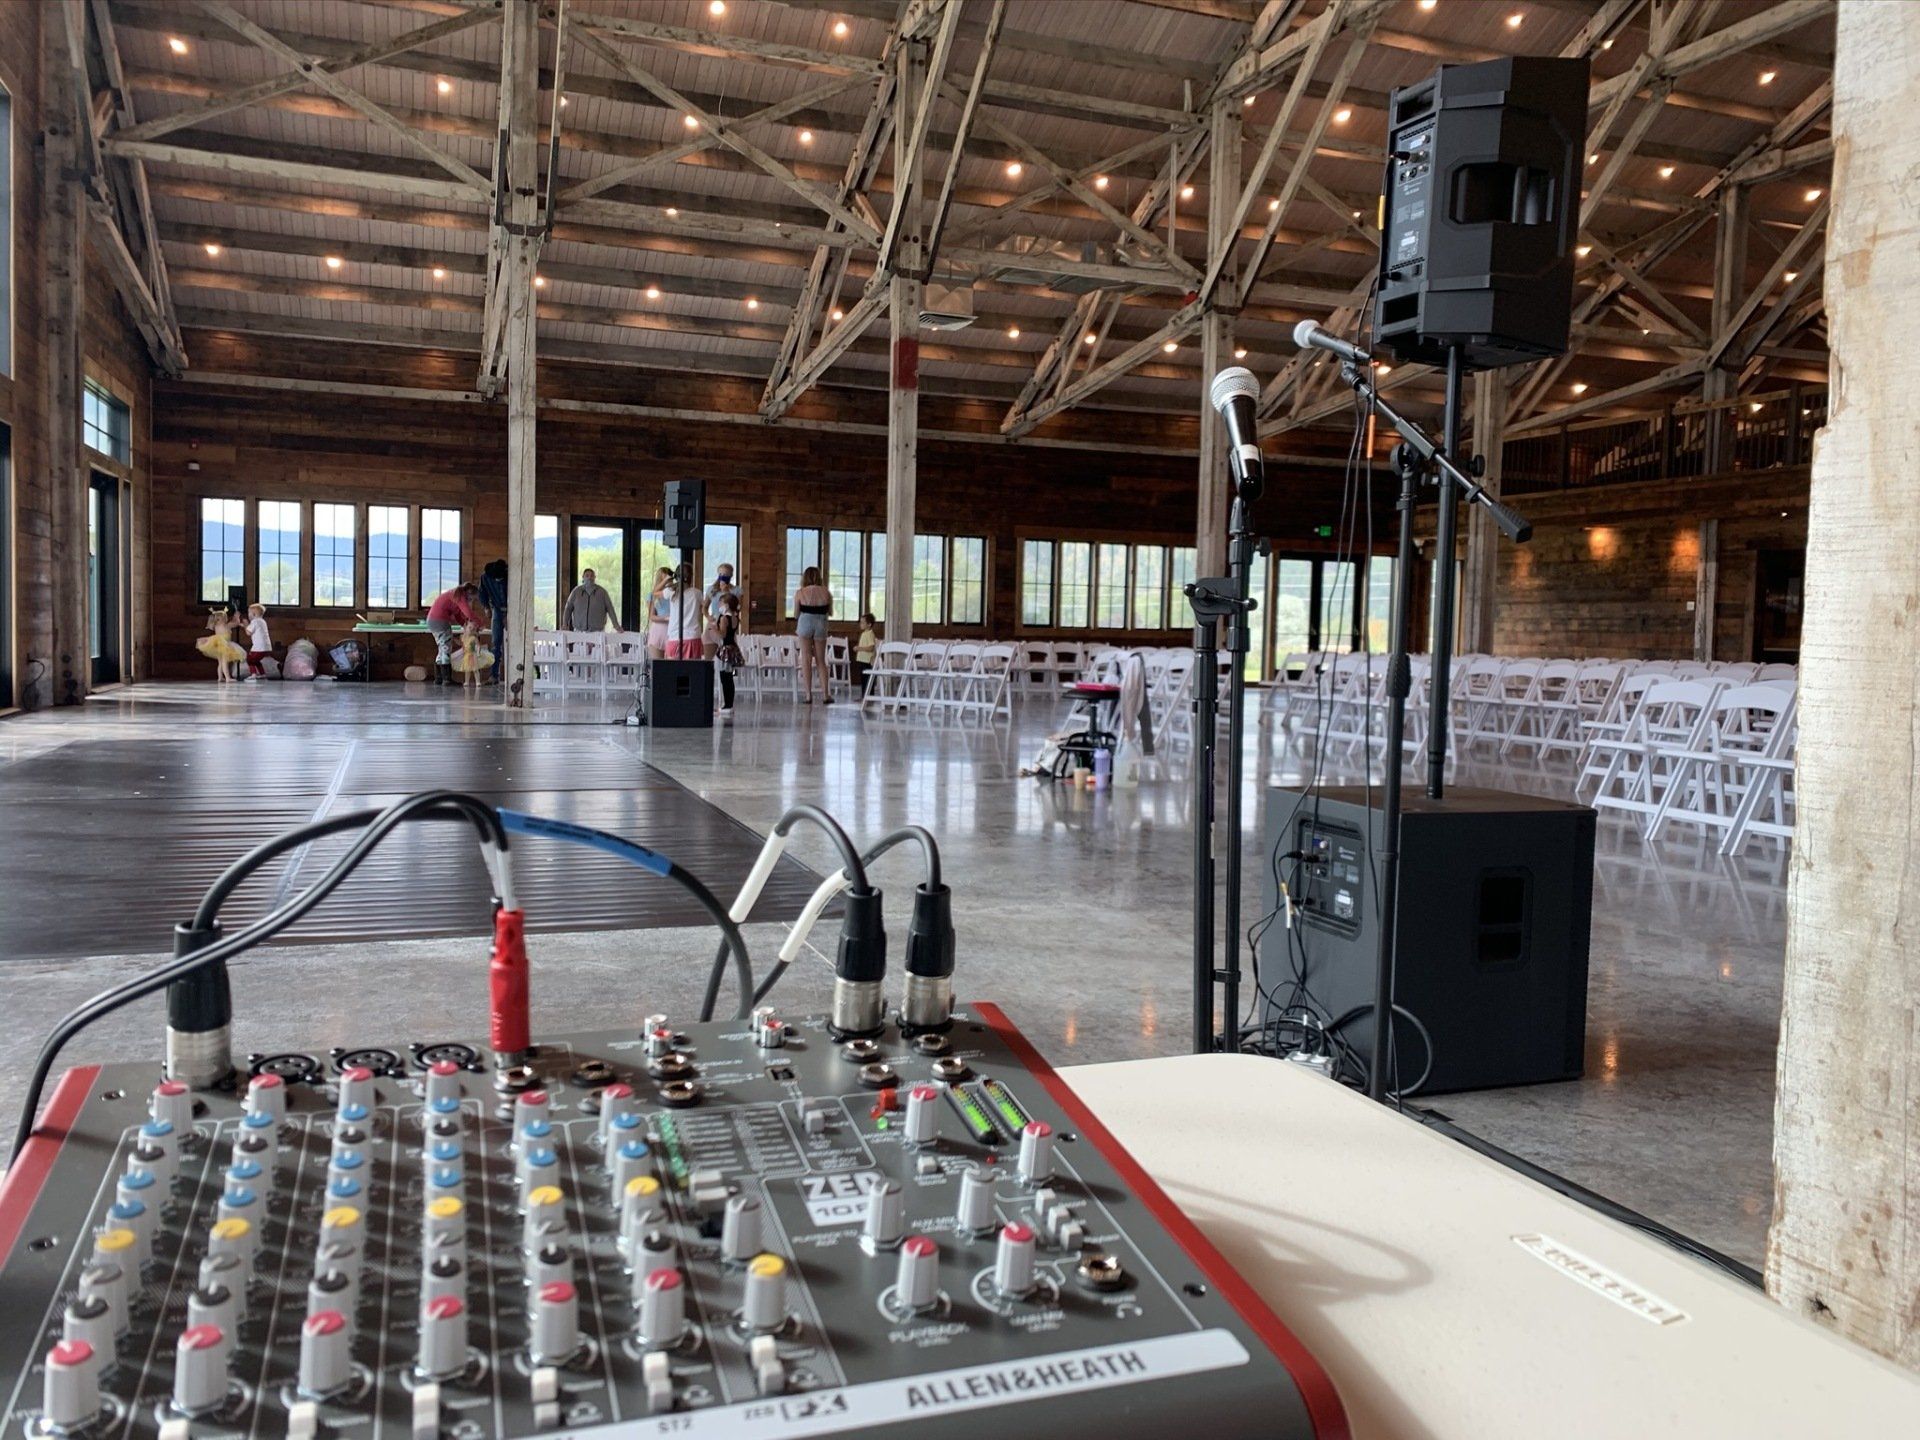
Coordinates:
column 711, row 604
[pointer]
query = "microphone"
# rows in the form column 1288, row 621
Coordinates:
column 1308, row 335
column 1233, row 393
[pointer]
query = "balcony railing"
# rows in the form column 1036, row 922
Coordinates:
column 1753, row 432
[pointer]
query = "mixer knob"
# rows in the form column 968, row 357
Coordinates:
column 200, row 1369
column 259, row 1139
column 342, row 1240
column 658, row 1035
column 551, row 1262
column 886, row 1215
column 443, row 1084
column 347, row 1163
column 536, row 1166
column 172, row 1104
column 236, row 1238
column 616, row 1100
column 975, row 1211
column 240, row 1203
column 89, row 1319
column 445, row 1130
column 640, row 1210
column 215, row 1305
column 740, row 1228
column 916, row 1283
column 326, row 1354
column 138, row 1185
column 267, row 1095
column 356, row 1095
column 163, row 1139
column 923, row 1114
column 223, row 1268
column 137, row 1219
column 106, row 1281
column 662, row 1297
column 246, row 1172
column 532, row 1109
column 1013, row 1261
column 765, row 1307
column 443, row 1337
column 444, row 1276
column 446, row 1223
column 332, row 1289
column 444, row 1182
column 1036, row 1153
column 631, row 1158
column 655, row 1252
column 556, row 1323
column 769, row 1030
column 71, row 1396
column 546, row 1218
column 152, row 1160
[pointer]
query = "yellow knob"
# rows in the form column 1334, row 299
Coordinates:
column 445, row 1208
column 112, row 1242
column 232, row 1228
column 545, row 1195
column 643, row 1185
column 767, row 1265
column 340, row 1217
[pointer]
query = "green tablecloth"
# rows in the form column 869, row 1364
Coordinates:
column 398, row 627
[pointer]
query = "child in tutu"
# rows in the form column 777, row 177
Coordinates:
column 218, row 644
column 474, row 657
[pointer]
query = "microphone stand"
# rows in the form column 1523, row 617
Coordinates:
column 1415, row 457
column 1215, row 599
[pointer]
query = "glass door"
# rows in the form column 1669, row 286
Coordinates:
column 106, row 580
column 623, row 554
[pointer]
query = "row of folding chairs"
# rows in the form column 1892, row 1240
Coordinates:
column 1698, row 751
column 962, row 678
column 588, row 661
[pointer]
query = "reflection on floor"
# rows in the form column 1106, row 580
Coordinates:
column 1072, row 906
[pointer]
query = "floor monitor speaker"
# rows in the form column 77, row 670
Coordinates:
column 680, row 695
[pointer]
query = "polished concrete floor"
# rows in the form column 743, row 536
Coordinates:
column 1073, row 910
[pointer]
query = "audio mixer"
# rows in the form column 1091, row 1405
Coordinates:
column 738, row 1228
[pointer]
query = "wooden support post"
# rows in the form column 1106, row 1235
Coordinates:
column 69, row 670
column 520, row 47
column 1706, row 589
column 904, row 290
column 1729, row 289
column 1844, row 1248
column 1216, row 338
column 1480, row 577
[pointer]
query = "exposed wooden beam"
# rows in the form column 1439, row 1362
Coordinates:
column 1179, row 326
column 232, row 162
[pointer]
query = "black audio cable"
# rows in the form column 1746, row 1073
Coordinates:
column 219, row 951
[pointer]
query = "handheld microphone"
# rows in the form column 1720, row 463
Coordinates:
column 1308, row 335
column 1233, row 394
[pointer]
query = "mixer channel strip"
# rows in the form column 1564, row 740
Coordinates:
column 729, row 1229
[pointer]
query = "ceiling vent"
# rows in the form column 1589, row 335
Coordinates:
column 946, row 305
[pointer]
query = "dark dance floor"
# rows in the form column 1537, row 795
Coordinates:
column 106, row 844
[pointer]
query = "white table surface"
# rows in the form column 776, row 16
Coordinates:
column 1390, row 1251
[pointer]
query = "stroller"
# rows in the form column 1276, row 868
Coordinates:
column 351, row 661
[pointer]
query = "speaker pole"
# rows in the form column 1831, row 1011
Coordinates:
column 1443, row 600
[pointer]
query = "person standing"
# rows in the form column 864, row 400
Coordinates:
column 683, row 617
column 259, row 642
column 722, row 586
column 453, row 611
column 659, row 607
column 588, row 607
column 727, row 654
column 812, row 604
column 493, row 594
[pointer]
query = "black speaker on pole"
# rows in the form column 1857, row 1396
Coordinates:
column 684, row 515
column 1480, row 211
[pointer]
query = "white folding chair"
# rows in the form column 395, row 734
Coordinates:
column 1671, row 720
column 1540, row 717
column 549, row 661
column 626, row 662
column 887, row 678
column 951, row 686
column 993, row 680
column 1749, row 735
column 839, row 664
column 586, row 652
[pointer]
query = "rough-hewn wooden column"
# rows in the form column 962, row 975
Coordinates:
column 1845, row 1245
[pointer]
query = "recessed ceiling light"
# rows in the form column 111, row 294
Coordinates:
column 1666, row 172
column 1013, row 169
column 752, row 303
column 1583, row 251
column 1791, row 276
column 1428, row 4
column 653, row 292
column 333, row 262
column 1249, row 100
column 1171, row 346
column 1099, row 182
column 806, row 137
column 1767, row 77
column 1186, row 192
column 1090, row 338
column 839, row 29
column 1579, row 387
column 672, row 212
column 563, row 102
column 445, row 87
column 1606, row 44
column 1240, row 354
column 839, row 314
column 1342, row 115
column 716, row 7
column 213, row 249
column 439, row 272
column 1386, row 369
column 1273, row 204
column 1013, row 332
column 1513, row 20
column 691, row 122
column 1356, row 214
column 1754, row 407
column 1646, row 332
column 176, row 44
column 1812, row 195
column 1593, row 159
column 539, row 282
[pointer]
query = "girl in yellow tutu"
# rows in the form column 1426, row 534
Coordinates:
column 218, row 645
column 474, row 658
